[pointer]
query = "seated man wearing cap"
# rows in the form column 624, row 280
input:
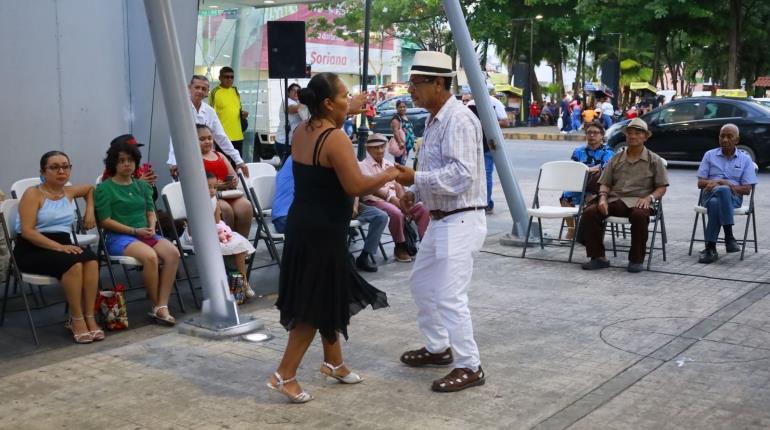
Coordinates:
column 388, row 197
column 725, row 175
column 630, row 183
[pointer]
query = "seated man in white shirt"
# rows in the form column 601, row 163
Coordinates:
column 205, row 114
column 388, row 198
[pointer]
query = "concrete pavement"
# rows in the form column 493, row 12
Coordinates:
column 681, row 346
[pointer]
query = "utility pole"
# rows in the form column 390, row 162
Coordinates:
column 363, row 130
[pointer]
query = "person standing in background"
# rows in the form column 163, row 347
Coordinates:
column 226, row 101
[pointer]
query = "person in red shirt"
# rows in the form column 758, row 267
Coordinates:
column 534, row 112
column 632, row 113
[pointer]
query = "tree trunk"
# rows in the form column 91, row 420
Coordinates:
column 560, row 75
column 733, row 62
column 656, row 61
column 580, row 65
column 534, row 85
column 583, row 76
column 484, row 52
column 513, row 57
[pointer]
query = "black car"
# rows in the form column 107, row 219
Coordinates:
column 683, row 130
column 387, row 108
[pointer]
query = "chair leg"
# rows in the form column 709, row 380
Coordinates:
column 652, row 241
column 745, row 235
column 29, row 312
column 5, row 297
column 526, row 238
column 613, row 230
column 754, row 224
column 179, row 298
column 186, row 271
column 692, row 237
column 561, row 228
column 574, row 237
column 663, row 236
column 540, row 230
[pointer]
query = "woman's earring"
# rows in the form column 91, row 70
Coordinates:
column 42, row 179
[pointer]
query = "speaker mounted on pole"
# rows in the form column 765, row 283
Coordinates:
column 286, row 49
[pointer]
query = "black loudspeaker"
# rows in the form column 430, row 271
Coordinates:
column 611, row 76
column 521, row 80
column 286, row 49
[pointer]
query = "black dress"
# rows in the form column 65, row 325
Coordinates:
column 319, row 285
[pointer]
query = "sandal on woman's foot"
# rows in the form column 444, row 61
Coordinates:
column 79, row 337
column 302, row 397
column 97, row 334
column 423, row 357
column 350, row 378
column 167, row 320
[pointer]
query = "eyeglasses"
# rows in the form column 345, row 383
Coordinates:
column 56, row 168
column 412, row 84
column 593, row 133
column 227, row 76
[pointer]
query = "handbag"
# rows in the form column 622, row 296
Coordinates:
column 394, row 148
column 112, row 305
column 410, row 236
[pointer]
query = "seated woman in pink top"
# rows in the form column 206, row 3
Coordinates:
column 388, row 198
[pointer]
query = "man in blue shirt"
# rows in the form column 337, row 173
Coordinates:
column 376, row 218
column 725, row 175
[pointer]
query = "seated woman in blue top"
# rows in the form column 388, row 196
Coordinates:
column 595, row 154
column 46, row 215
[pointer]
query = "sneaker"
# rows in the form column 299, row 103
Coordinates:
column 708, row 256
column 635, row 267
column 731, row 245
column 595, row 264
column 250, row 293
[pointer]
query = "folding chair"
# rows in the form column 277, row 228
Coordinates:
column 359, row 226
column 173, row 200
column 262, row 190
column 747, row 210
column 255, row 169
column 558, row 176
column 10, row 211
column 658, row 219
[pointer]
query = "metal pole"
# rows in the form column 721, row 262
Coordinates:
column 219, row 316
column 531, row 58
column 363, row 129
column 488, row 119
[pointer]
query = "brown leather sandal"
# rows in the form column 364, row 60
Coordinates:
column 422, row 357
column 459, row 379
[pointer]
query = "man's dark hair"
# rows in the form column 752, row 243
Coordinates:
column 113, row 154
column 199, row 78
column 49, row 154
column 225, row 70
column 447, row 82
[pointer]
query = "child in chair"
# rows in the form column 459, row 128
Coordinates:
column 232, row 243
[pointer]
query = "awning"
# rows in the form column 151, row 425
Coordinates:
column 643, row 86
column 762, row 81
column 732, row 93
column 597, row 87
column 505, row 88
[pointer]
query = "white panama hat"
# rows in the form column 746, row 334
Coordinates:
column 432, row 63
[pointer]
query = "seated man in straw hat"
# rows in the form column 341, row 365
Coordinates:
column 630, row 183
column 388, row 198
column 450, row 183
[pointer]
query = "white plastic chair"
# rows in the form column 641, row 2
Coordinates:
column 558, row 176
column 747, row 210
column 657, row 219
column 261, row 189
column 10, row 211
column 255, row 169
column 173, row 200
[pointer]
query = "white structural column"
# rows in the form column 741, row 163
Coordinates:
column 492, row 130
column 220, row 314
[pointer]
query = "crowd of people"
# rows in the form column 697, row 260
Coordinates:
column 321, row 187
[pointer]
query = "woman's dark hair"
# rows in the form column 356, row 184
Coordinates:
column 291, row 87
column 113, row 154
column 200, row 126
column 594, row 124
column 210, row 175
column 323, row 86
column 400, row 102
column 49, row 154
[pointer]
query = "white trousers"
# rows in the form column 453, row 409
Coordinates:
column 440, row 279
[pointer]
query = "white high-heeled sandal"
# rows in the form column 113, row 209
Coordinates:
column 302, row 397
column 350, row 378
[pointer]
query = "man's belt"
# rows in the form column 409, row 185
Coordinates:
column 437, row 215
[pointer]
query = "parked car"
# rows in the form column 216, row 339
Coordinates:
column 684, row 129
column 387, row 108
